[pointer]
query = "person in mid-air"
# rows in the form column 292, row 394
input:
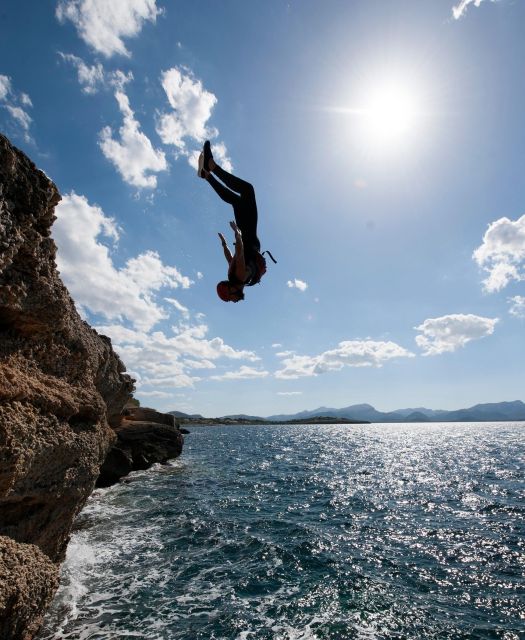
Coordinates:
column 247, row 265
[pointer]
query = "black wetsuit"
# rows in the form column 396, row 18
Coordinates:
column 241, row 195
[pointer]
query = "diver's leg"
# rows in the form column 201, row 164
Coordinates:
column 236, row 184
column 224, row 194
column 232, row 182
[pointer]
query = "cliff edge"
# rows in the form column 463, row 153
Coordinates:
column 61, row 386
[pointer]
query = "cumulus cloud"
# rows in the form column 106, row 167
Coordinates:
column 169, row 361
column 192, row 106
column 448, row 333
column 460, row 9
column 502, row 253
column 349, row 353
column 12, row 100
column 297, row 284
column 133, row 155
column 517, row 306
column 244, row 373
column 103, row 25
column 187, row 123
column 93, row 280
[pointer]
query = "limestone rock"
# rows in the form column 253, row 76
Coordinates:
column 28, row 581
column 60, row 382
column 144, row 437
column 145, row 414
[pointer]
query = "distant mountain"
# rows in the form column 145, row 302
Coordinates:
column 354, row 412
column 242, row 416
column 430, row 413
column 490, row 412
column 417, row 416
column 192, row 416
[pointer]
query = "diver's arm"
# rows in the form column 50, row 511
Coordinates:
column 226, row 249
column 240, row 266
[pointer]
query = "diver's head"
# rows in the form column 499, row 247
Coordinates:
column 229, row 292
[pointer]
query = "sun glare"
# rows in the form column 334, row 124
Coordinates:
column 389, row 114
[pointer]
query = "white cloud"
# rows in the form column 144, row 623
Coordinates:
column 192, row 107
column 133, row 155
column 90, row 77
column 460, row 9
column 21, row 116
column 103, row 25
column 200, row 275
column 156, row 394
column 90, row 275
column 12, row 101
column 289, row 393
column 166, row 362
column 448, row 333
column 502, row 253
column 284, row 354
column 351, row 353
column 297, row 284
column 244, row 373
column 276, row 345
column 94, row 77
column 180, row 307
column 517, row 307
column 5, row 86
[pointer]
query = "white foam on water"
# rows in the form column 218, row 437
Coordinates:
column 80, row 558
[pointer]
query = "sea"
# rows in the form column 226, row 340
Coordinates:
column 307, row 532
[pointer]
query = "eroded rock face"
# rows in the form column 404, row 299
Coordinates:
column 144, row 437
column 60, row 382
column 28, row 581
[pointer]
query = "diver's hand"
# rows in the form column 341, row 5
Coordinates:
column 235, row 228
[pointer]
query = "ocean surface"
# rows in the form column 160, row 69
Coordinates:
column 302, row 532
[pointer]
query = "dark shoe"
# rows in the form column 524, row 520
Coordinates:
column 206, row 150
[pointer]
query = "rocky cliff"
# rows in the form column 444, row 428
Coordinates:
column 144, row 437
column 61, row 385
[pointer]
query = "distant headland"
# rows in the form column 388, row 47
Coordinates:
column 365, row 413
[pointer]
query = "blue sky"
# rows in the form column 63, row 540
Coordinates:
column 386, row 145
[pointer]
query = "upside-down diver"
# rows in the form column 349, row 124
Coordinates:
column 247, row 266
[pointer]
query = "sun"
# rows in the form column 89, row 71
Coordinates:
column 389, row 114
